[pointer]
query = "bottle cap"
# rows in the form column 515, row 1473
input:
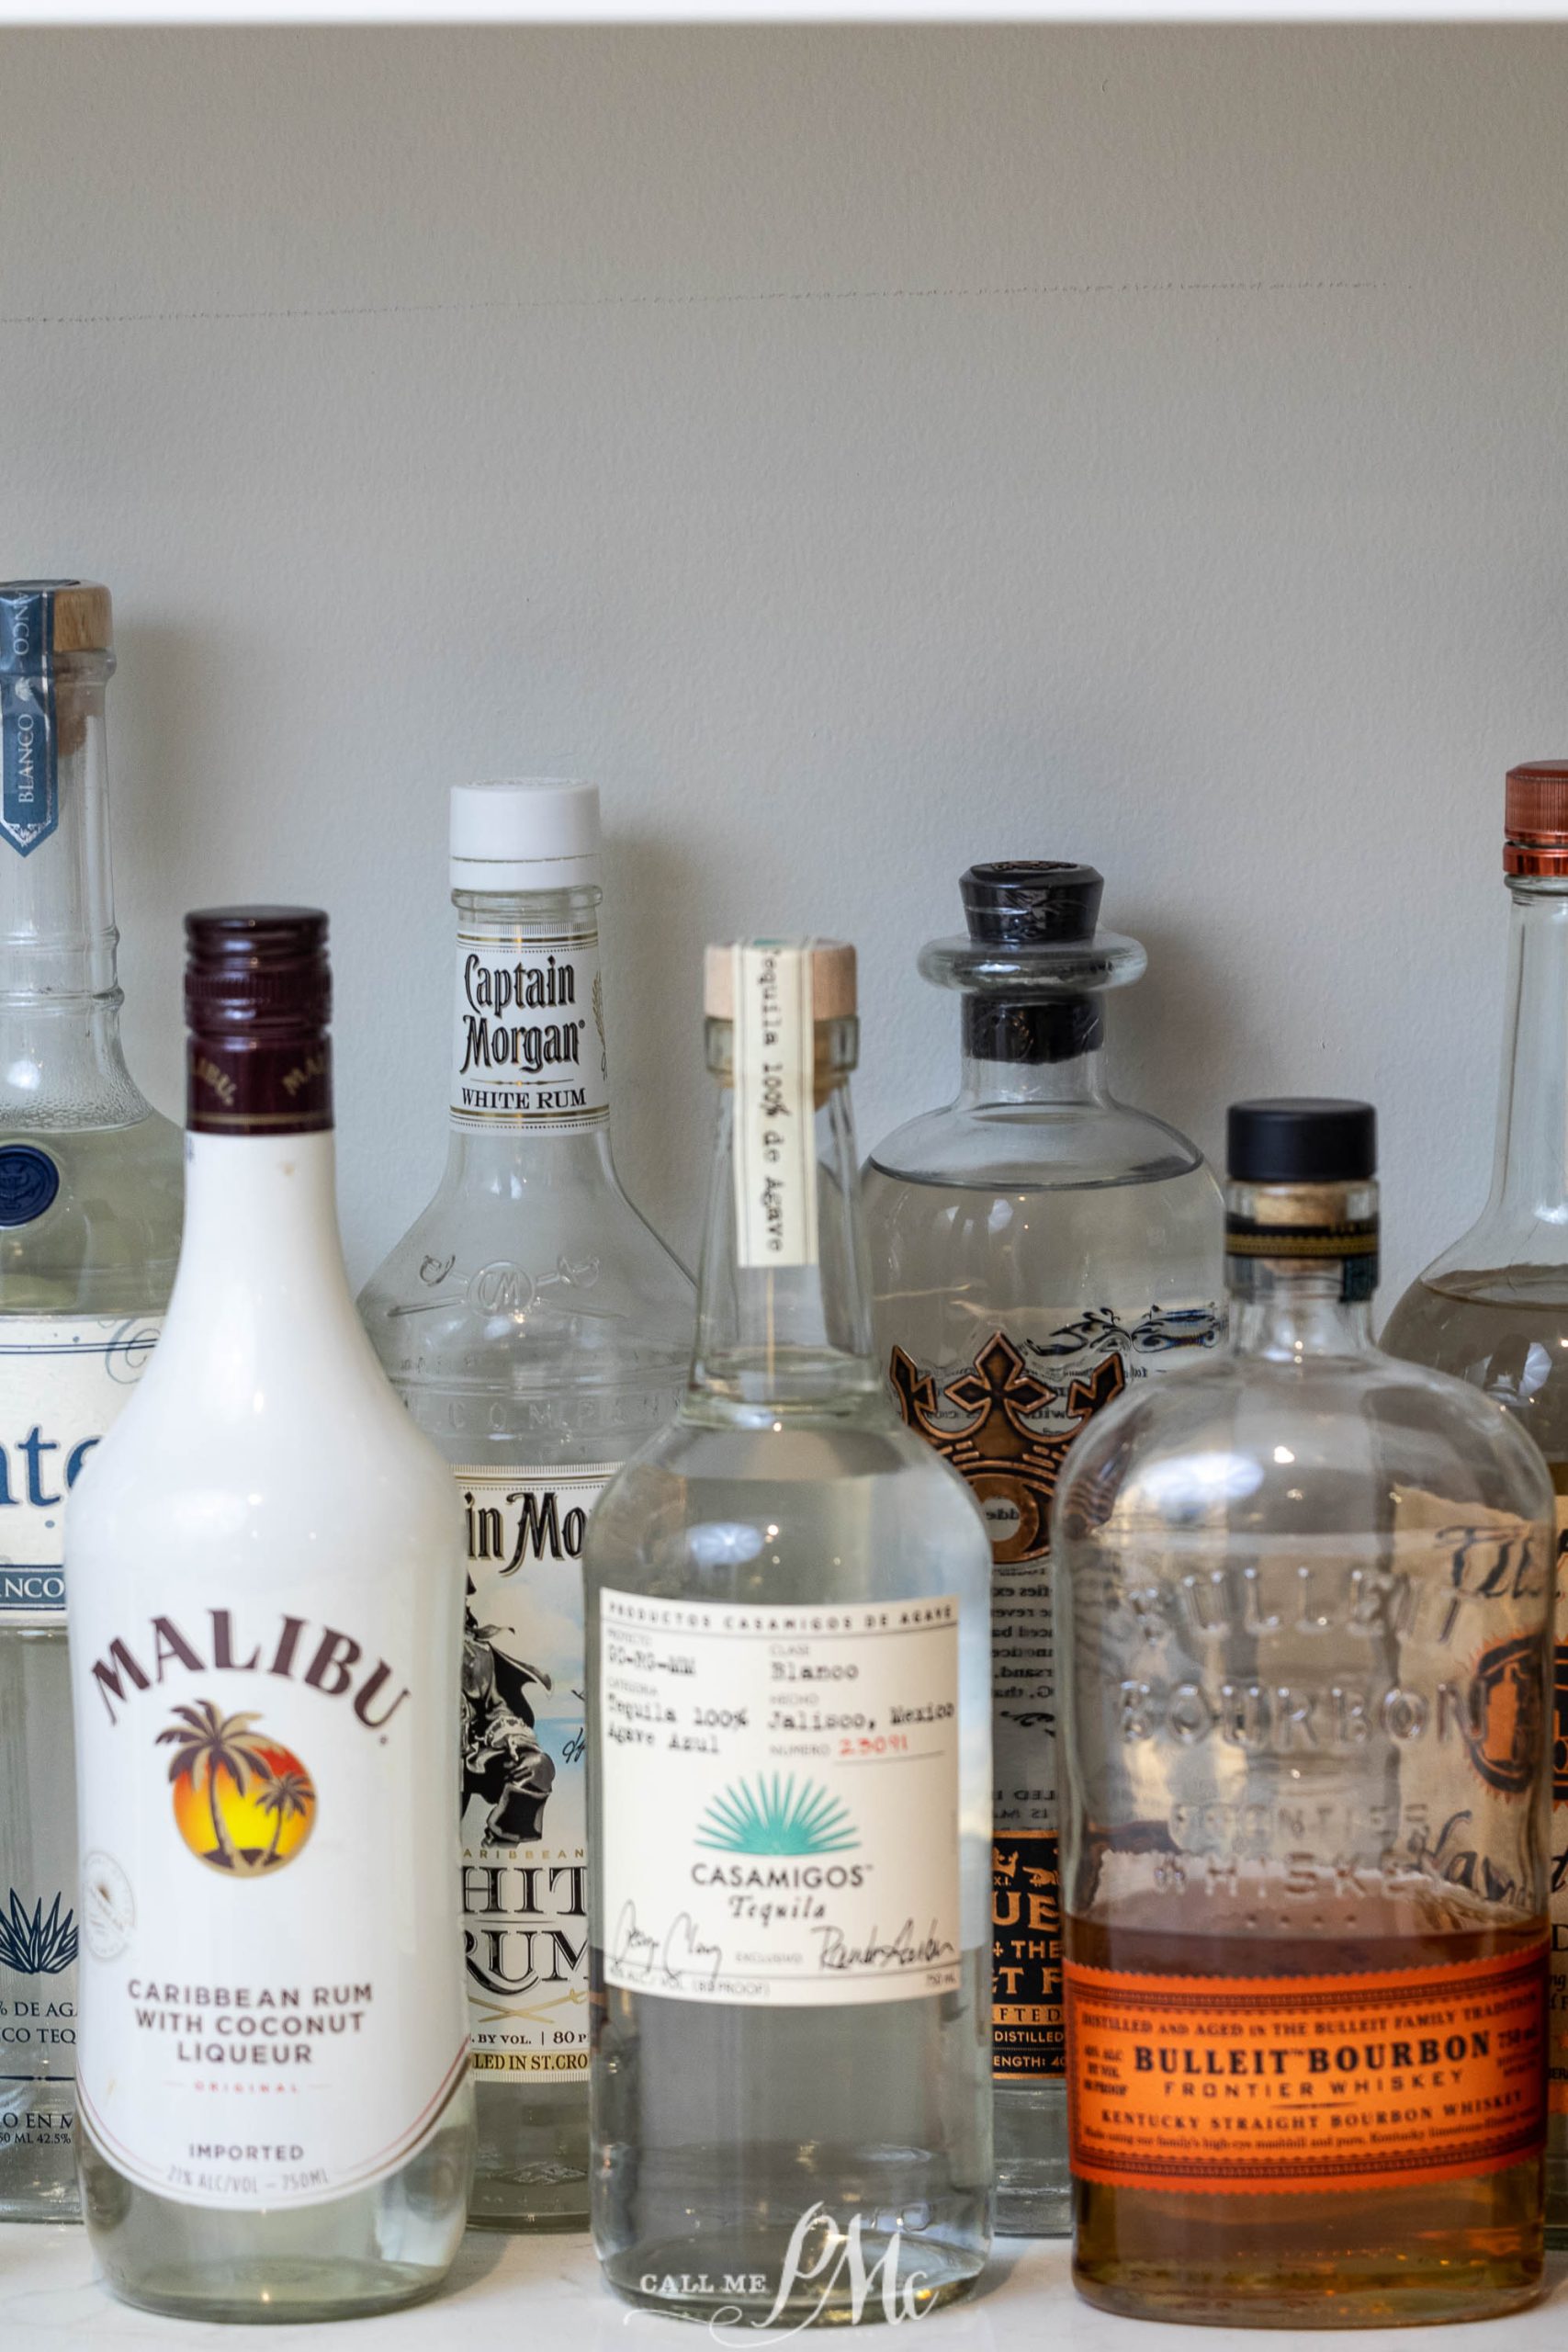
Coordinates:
column 259, row 999
column 1028, row 902
column 524, row 833
column 1535, row 818
column 77, row 614
column 1300, row 1139
column 832, row 977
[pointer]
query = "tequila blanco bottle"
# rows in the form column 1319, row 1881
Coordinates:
column 275, row 2116
column 538, row 1331
column 789, row 1732
column 90, row 1188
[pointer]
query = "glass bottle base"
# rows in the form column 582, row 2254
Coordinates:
column 37, row 2183
column 1024, row 2209
column 1386, row 2297
column 530, row 2172
column 373, row 2251
column 898, row 2278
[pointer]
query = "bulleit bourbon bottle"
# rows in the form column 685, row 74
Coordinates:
column 1304, row 1605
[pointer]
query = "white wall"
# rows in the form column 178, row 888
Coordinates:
column 863, row 451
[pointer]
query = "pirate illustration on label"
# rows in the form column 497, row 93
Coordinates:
column 503, row 1764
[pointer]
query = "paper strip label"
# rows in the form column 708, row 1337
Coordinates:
column 776, row 1114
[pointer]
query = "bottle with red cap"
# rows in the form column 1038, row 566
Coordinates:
column 275, row 2114
column 1493, row 1308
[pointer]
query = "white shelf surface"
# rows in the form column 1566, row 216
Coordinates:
column 543, row 2295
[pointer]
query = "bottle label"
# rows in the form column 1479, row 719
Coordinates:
column 1006, row 1419
column 268, row 2017
column 529, row 1047
column 780, row 1800
column 1558, row 2058
column 774, row 1154
column 29, row 746
column 525, row 1801
column 1282, row 2084
column 62, row 1382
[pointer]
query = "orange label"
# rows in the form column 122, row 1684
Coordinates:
column 1266, row 2085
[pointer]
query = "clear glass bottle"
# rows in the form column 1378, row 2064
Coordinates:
column 1303, row 1597
column 538, row 1331
column 1037, row 1249
column 1493, row 1308
column 789, row 1746
column 90, row 1193
column 276, row 2117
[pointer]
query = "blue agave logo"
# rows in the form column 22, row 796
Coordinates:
column 765, row 1816
column 35, row 1943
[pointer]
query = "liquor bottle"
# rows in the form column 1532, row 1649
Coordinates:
column 90, row 1186
column 788, row 1741
column 1493, row 1308
column 538, row 1331
column 1303, row 1601
column 1037, row 1249
column 275, row 2120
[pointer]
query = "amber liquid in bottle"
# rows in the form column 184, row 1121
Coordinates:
column 1350, row 2258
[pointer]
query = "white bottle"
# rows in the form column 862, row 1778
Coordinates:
column 276, row 2112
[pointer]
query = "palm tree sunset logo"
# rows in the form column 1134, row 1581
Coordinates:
column 243, row 1802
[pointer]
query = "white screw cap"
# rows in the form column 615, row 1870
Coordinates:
column 524, row 833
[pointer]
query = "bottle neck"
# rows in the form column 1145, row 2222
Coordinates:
column 1526, row 1218
column 1301, row 1270
column 529, row 1102
column 784, row 1295
column 61, row 1059
column 1046, row 1053
column 261, row 1264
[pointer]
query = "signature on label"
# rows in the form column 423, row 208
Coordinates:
column 676, row 1960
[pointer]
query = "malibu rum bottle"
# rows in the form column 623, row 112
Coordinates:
column 538, row 1331
column 90, row 1186
column 1037, row 1249
column 1303, row 1604
column 1493, row 1308
column 276, row 2116
column 789, row 1746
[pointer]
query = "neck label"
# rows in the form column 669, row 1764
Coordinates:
column 29, row 746
column 528, row 1040
column 776, row 1118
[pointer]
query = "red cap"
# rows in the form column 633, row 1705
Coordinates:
column 1535, row 821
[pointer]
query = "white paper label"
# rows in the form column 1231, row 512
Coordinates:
column 62, row 1382
column 524, row 1804
column 775, row 1117
column 267, row 1802
column 780, row 1800
column 528, row 1042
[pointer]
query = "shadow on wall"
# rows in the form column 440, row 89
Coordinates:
column 1189, row 1018
column 653, row 1024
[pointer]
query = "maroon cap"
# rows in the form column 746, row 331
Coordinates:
column 259, row 999
column 1535, row 820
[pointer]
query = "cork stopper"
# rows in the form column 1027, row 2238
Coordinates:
column 77, row 614
column 1535, row 820
column 832, row 977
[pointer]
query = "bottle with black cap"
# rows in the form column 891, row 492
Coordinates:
column 1036, row 1248
column 1493, row 1309
column 1303, row 1604
column 276, row 2112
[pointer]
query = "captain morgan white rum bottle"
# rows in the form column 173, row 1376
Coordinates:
column 265, row 1555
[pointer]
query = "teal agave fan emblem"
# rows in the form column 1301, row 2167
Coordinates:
column 765, row 1816
column 35, row 1943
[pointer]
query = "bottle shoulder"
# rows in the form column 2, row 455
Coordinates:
column 1263, row 1441
column 487, row 1282
column 1050, row 1146
column 105, row 1238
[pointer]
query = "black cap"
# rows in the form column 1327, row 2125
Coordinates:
column 1028, row 902
column 1302, row 1139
